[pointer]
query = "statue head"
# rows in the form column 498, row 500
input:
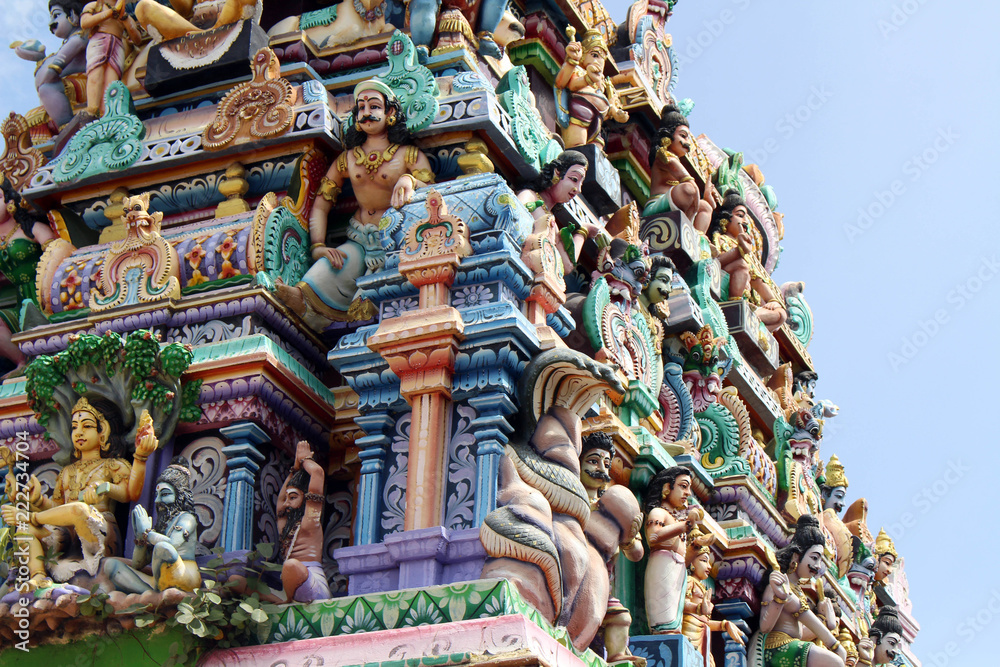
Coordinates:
column 805, row 382
column 292, row 507
column 706, row 364
column 661, row 278
column 376, row 110
column 595, row 50
column 803, row 556
column 13, row 205
column 834, row 486
column 173, row 493
column 699, row 562
column 509, row 30
column 65, row 17
column 97, row 425
column 563, row 177
column 674, row 133
column 595, row 462
column 887, row 633
column 669, row 489
column 885, row 554
column 731, row 216
column 806, row 435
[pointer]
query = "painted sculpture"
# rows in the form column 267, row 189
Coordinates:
column 169, row 546
column 885, row 553
column 585, row 96
column 542, row 536
column 141, row 268
column 78, row 519
column 834, row 486
column 595, row 464
column 340, row 24
column 111, row 33
column 384, row 168
column 788, row 625
column 705, row 366
column 23, row 235
column 300, row 548
column 185, row 17
column 661, row 283
column 672, row 187
column 884, row 639
column 697, row 624
column 669, row 520
column 551, row 252
column 52, row 74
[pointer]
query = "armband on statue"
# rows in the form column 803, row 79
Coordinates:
column 329, row 190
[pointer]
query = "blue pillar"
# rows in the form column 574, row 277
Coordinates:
column 735, row 611
column 374, row 447
column 491, row 429
column 243, row 459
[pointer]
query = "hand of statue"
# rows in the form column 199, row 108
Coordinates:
column 778, row 583
column 772, row 305
column 696, row 515
column 141, row 523
column 302, row 452
column 745, row 242
column 825, row 607
column 145, row 445
column 574, row 51
column 90, row 495
column 402, row 193
column 29, row 50
column 334, row 255
column 34, row 491
column 866, row 650
column 9, row 514
column 733, row 632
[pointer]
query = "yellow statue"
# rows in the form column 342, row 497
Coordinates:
column 697, row 622
column 190, row 16
column 83, row 500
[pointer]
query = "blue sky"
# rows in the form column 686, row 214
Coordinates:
column 876, row 124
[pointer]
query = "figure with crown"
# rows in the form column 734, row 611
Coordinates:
column 585, row 96
column 80, row 512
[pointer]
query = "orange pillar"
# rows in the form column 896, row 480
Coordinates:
column 420, row 347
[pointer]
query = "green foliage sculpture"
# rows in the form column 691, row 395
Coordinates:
column 132, row 370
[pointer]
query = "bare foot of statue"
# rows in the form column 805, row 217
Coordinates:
column 290, row 296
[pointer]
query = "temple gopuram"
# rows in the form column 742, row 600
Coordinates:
column 402, row 334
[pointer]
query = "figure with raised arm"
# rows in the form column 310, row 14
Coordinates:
column 80, row 512
column 107, row 25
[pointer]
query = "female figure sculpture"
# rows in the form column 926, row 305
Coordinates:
column 22, row 236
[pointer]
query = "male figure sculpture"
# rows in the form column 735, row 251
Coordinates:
column 169, row 545
column 384, row 168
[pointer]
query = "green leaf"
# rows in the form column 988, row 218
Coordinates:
column 213, row 598
column 266, row 549
column 258, row 615
column 246, row 607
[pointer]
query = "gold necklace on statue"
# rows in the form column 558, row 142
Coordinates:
column 374, row 160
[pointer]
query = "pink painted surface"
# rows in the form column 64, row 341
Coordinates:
column 498, row 635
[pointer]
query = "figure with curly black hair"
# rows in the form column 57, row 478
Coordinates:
column 71, row 58
column 885, row 637
column 729, row 232
column 672, row 188
column 23, row 234
column 384, row 168
column 788, row 625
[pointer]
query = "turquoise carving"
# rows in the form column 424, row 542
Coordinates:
column 412, row 82
column 800, row 317
column 286, row 246
column 112, row 143
column 533, row 140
